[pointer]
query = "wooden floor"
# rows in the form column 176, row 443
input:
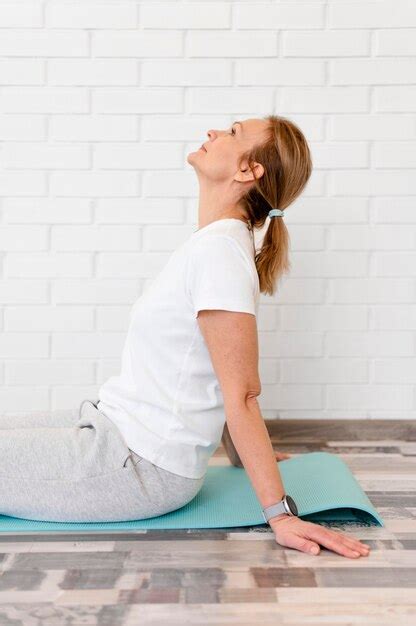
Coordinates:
column 234, row 575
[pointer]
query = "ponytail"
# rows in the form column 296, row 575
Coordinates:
column 287, row 163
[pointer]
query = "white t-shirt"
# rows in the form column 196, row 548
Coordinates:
column 166, row 401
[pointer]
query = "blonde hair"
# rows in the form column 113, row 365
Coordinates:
column 287, row 163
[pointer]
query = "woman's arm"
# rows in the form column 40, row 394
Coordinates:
column 232, row 341
column 232, row 453
column 229, row 447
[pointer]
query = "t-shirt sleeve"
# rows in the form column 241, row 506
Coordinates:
column 220, row 277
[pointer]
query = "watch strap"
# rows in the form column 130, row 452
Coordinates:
column 273, row 510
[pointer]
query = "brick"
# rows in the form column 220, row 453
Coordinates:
column 45, row 157
column 92, row 72
column 43, row 43
column 179, row 16
column 52, row 372
column 90, row 15
column 48, row 265
column 48, row 318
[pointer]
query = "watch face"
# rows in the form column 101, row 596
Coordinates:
column 291, row 504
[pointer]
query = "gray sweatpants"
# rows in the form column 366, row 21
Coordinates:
column 76, row 467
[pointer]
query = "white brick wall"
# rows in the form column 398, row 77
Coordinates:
column 100, row 102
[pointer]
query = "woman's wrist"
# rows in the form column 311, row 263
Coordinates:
column 278, row 518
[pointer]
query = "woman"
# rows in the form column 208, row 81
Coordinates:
column 189, row 361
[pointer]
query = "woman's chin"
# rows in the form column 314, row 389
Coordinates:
column 191, row 156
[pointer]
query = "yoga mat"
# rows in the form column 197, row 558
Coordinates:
column 321, row 484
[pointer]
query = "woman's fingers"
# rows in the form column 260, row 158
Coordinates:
column 337, row 542
column 351, row 542
column 302, row 543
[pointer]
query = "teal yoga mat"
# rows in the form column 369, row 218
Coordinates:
column 321, row 484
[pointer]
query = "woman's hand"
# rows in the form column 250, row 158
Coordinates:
column 293, row 532
column 281, row 456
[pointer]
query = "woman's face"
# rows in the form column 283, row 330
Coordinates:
column 217, row 159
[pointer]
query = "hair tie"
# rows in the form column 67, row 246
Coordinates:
column 276, row 213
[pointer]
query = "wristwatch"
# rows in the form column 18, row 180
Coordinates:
column 285, row 507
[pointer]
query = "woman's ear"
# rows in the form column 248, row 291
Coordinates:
column 245, row 174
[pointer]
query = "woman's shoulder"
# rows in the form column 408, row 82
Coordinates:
column 212, row 242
